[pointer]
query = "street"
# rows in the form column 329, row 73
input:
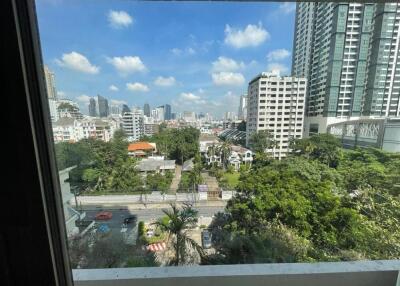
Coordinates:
column 144, row 214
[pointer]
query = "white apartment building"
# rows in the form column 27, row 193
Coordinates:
column 69, row 129
column 132, row 124
column 276, row 104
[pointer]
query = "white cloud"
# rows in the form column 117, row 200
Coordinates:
column 165, row 81
column 60, row 94
column 278, row 55
column 176, row 51
column 188, row 97
column 137, row 86
column 226, row 64
column 282, row 69
column 128, row 64
column 119, row 19
column 113, row 88
column 191, row 51
column 78, row 62
column 117, row 102
column 251, row 36
column 200, row 90
column 287, row 7
column 228, row 78
column 83, row 98
column 186, row 51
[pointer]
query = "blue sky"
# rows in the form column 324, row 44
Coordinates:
column 194, row 56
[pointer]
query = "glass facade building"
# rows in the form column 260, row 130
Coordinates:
column 349, row 53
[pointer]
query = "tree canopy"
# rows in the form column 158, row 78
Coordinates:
column 323, row 203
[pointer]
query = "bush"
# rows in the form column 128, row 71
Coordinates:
column 141, row 228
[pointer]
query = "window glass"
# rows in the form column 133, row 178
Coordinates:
column 168, row 152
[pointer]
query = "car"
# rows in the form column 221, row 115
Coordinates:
column 103, row 215
column 150, row 233
column 130, row 219
column 206, row 239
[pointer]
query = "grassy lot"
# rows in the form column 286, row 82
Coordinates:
column 231, row 179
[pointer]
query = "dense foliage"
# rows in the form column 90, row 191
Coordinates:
column 321, row 204
column 177, row 144
column 100, row 166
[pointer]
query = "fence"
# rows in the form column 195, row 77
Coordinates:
column 154, row 197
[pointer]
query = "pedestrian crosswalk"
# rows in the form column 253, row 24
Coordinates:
column 156, row 246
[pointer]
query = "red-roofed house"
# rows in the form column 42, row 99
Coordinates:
column 141, row 149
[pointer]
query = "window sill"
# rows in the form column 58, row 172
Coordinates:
column 359, row 273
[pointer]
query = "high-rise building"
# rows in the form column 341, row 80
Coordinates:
column 167, row 112
column 229, row 115
column 242, row 112
column 276, row 104
column 92, row 107
column 132, row 124
column 189, row 116
column 125, row 108
column 50, row 83
column 115, row 109
column 382, row 95
column 146, row 109
column 103, row 106
column 349, row 53
column 160, row 113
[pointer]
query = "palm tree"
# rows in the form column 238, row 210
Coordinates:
column 224, row 151
column 179, row 221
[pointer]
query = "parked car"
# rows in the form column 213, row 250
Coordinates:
column 103, row 215
column 206, row 239
column 130, row 219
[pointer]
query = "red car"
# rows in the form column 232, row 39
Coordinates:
column 103, row 215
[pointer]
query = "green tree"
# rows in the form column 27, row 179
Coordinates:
column 179, row 221
column 323, row 147
column 261, row 140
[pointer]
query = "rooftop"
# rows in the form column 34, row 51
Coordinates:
column 154, row 165
column 140, row 146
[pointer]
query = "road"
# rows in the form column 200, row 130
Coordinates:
column 144, row 214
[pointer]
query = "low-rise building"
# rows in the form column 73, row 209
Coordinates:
column 156, row 165
column 69, row 129
column 141, row 149
column 74, row 220
column 239, row 156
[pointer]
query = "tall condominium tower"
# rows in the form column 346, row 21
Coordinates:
column 103, row 106
column 50, row 83
column 276, row 104
column 92, row 107
column 167, row 112
column 349, row 54
column 242, row 112
column 146, row 109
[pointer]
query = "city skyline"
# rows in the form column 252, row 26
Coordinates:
column 116, row 52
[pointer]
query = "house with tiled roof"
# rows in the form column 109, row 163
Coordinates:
column 141, row 149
